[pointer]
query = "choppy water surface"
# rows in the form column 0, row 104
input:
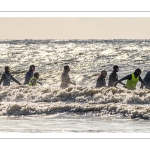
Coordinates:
column 80, row 108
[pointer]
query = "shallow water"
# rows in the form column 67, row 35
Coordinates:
column 72, row 124
column 80, row 108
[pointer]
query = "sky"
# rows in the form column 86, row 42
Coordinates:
column 74, row 28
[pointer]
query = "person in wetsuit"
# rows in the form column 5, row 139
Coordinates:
column 113, row 77
column 132, row 80
column 33, row 81
column 6, row 77
column 65, row 79
column 29, row 74
column 146, row 80
column 101, row 79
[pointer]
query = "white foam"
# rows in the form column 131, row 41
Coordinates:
column 86, row 60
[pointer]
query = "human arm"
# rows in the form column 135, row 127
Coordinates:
column 67, row 79
column 39, row 82
column 15, row 80
column 71, row 82
column 128, row 77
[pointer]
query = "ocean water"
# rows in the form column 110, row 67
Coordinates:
column 80, row 108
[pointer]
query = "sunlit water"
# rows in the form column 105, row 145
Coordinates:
column 80, row 108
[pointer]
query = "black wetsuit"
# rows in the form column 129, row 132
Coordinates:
column 113, row 77
column 146, row 79
column 100, row 81
column 6, row 77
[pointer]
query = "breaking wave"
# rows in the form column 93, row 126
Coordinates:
column 25, row 100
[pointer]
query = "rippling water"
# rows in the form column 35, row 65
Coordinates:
column 81, row 105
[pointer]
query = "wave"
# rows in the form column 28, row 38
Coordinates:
column 25, row 100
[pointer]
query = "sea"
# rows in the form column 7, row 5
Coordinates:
column 80, row 108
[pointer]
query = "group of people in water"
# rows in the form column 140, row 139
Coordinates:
column 31, row 78
column 132, row 79
column 131, row 83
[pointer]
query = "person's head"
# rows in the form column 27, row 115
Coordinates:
column 32, row 67
column 7, row 69
column 138, row 72
column 36, row 75
column 104, row 73
column 116, row 68
column 66, row 68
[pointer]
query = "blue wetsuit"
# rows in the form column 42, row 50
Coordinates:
column 28, row 77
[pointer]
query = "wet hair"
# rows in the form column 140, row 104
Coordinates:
column 115, row 67
column 103, row 72
column 66, row 67
column 6, row 69
column 137, row 71
column 32, row 66
column 36, row 74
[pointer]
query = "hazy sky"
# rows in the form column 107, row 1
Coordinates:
column 75, row 28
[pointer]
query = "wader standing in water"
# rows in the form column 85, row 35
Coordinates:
column 101, row 79
column 113, row 77
column 132, row 80
column 29, row 74
column 146, row 80
column 6, row 77
column 33, row 81
column 65, row 79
